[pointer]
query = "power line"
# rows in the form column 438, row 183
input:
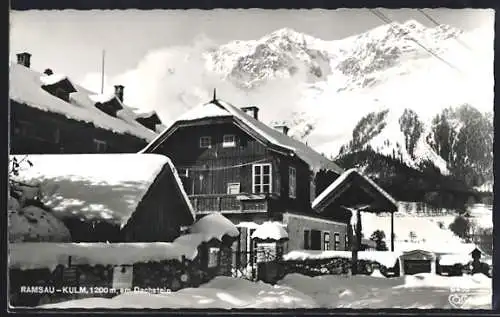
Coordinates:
column 387, row 20
column 430, row 18
column 220, row 168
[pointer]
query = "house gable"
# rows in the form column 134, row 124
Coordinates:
column 354, row 190
column 161, row 212
column 275, row 140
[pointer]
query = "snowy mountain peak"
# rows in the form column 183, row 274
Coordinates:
column 281, row 54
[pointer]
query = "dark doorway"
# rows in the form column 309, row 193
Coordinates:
column 417, row 266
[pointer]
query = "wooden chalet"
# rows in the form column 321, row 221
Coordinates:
column 49, row 114
column 111, row 197
column 231, row 162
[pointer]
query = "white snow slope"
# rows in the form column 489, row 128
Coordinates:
column 299, row 291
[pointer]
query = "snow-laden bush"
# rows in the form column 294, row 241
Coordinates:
column 28, row 219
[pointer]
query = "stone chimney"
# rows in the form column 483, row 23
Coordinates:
column 252, row 111
column 24, row 59
column 282, row 128
column 119, row 92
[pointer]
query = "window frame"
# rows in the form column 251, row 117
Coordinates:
column 205, row 137
column 336, row 240
column 226, row 144
column 262, row 175
column 292, row 186
column 213, row 260
column 326, row 244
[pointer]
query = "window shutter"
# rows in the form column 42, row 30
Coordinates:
column 306, row 240
column 315, row 240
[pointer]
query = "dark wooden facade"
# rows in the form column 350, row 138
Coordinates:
column 208, row 173
column 158, row 217
column 33, row 131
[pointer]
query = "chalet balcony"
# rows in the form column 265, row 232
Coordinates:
column 226, row 203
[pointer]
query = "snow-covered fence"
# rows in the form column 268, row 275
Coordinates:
column 62, row 270
column 95, row 269
column 313, row 263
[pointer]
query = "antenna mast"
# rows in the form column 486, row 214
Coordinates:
column 102, row 72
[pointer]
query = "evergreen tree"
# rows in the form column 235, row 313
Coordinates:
column 378, row 236
column 412, row 128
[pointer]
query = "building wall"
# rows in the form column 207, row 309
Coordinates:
column 210, row 170
column 33, row 131
column 296, row 224
column 160, row 214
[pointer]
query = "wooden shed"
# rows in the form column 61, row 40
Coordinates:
column 111, row 197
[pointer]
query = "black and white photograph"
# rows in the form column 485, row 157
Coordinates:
column 251, row 159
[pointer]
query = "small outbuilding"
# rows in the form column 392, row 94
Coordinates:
column 418, row 261
column 111, row 197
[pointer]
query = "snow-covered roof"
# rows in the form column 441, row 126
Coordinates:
column 25, row 87
column 219, row 108
column 209, row 110
column 440, row 247
column 214, row 226
column 346, row 176
column 106, row 187
column 271, row 230
column 48, row 80
column 102, row 98
column 32, row 255
column 386, row 258
column 248, row 224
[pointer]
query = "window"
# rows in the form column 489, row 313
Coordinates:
column 262, row 178
column 346, row 241
column 233, row 188
column 292, row 182
column 306, row 240
column 213, row 257
column 326, row 241
column 100, row 145
column 315, row 240
column 229, row 140
column 205, row 142
column 336, row 241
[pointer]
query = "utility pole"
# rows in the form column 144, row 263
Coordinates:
column 102, row 72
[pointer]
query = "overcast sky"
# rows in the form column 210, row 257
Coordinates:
column 71, row 42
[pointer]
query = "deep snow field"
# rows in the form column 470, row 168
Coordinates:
column 298, row 291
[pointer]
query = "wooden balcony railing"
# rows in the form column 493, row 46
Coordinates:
column 226, row 203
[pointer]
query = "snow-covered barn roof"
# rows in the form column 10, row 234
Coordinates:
column 105, row 187
column 25, row 87
column 219, row 109
column 337, row 188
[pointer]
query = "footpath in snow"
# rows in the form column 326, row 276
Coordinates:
column 299, row 291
